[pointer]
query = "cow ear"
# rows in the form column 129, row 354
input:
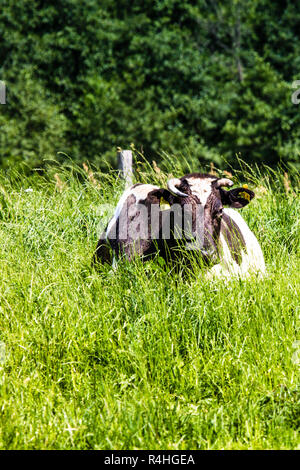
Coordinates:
column 163, row 196
column 236, row 198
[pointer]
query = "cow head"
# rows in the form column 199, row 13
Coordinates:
column 206, row 197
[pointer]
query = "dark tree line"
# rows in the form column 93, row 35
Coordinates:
column 206, row 78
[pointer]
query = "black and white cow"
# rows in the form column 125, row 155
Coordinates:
column 196, row 213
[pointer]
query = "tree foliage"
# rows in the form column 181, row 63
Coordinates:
column 213, row 78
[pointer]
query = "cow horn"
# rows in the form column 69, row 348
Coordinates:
column 172, row 187
column 224, row 182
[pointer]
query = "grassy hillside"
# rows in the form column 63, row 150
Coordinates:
column 136, row 358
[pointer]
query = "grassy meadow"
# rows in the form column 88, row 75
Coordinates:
column 136, row 358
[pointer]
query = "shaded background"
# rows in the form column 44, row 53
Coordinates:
column 209, row 79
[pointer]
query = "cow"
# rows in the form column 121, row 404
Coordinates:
column 196, row 214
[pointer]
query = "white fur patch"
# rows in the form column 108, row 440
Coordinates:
column 200, row 187
column 140, row 192
column 252, row 257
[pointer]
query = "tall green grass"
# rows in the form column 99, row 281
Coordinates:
column 136, row 358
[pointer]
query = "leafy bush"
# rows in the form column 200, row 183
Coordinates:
column 213, row 78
